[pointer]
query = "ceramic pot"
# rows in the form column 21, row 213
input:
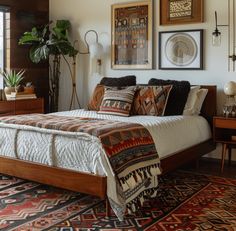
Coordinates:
column 9, row 90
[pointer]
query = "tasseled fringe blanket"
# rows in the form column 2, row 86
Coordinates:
column 129, row 147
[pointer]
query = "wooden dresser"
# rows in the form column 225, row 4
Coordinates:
column 20, row 107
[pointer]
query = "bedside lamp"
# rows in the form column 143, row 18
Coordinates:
column 230, row 92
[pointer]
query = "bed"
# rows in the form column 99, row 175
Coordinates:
column 93, row 181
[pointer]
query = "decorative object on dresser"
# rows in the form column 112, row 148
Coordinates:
column 46, row 42
column 181, row 50
column 12, row 80
column 229, row 108
column 132, row 35
column 216, row 35
column 224, row 132
column 23, row 106
column 181, row 11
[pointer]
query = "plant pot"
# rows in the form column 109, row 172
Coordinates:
column 9, row 90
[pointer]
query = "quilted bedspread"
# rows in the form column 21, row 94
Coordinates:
column 129, row 148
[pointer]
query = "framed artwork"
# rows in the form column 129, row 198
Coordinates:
column 181, row 11
column 132, row 35
column 181, row 50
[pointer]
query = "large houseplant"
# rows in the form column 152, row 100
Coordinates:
column 50, row 41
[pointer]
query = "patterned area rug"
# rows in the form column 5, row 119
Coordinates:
column 185, row 201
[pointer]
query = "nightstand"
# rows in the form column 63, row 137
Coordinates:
column 19, row 107
column 224, row 132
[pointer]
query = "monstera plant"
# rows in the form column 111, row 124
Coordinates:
column 50, row 41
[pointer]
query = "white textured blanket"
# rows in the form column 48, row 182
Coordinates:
column 62, row 149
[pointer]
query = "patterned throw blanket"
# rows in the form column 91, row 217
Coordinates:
column 129, row 147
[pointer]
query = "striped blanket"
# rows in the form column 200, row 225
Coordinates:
column 129, row 147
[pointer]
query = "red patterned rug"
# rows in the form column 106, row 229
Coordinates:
column 185, row 201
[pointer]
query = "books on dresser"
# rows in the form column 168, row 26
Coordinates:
column 21, row 95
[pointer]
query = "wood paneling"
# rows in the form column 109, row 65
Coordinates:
column 25, row 14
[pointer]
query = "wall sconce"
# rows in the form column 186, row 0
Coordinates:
column 216, row 35
column 95, row 50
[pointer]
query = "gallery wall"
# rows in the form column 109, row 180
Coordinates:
column 96, row 14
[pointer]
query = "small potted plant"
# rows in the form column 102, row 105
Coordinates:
column 12, row 80
column 29, row 88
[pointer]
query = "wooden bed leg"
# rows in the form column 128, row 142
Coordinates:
column 197, row 164
column 108, row 208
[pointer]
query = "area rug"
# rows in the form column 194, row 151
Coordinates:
column 185, row 201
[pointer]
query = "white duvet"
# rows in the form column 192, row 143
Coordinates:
column 82, row 152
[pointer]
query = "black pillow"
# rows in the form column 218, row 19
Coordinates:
column 178, row 95
column 129, row 80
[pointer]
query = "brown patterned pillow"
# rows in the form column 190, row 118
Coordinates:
column 117, row 101
column 96, row 99
column 151, row 100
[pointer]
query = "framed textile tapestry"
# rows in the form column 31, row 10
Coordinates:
column 181, row 11
column 132, row 35
column 181, row 50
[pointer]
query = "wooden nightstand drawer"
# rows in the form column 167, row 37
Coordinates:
column 229, row 123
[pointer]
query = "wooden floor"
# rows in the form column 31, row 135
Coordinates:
column 212, row 167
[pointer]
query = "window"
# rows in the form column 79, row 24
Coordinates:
column 2, row 45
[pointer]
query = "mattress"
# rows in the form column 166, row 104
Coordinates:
column 83, row 152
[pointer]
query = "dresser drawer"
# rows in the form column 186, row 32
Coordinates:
column 19, row 107
column 7, row 108
column 29, row 106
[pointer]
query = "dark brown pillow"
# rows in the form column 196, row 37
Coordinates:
column 125, row 81
column 178, row 95
column 97, row 97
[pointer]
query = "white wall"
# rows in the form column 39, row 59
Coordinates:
column 96, row 14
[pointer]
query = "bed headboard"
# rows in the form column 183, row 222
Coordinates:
column 209, row 105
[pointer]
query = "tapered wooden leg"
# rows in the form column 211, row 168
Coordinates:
column 108, row 208
column 230, row 154
column 224, row 150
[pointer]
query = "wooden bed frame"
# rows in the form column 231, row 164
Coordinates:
column 94, row 184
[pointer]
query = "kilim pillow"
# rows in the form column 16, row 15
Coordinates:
column 178, row 95
column 151, row 100
column 117, row 102
column 96, row 99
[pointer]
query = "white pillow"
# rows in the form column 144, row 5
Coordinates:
column 195, row 100
column 201, row 95
column 192, row 97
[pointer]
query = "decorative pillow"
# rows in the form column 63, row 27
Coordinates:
column 178, row 95
column 197, row 101
column 96, row 99
column 117, row 102
column 151, row 100
column 201, row 95
column 125, row 81
column 192, row 97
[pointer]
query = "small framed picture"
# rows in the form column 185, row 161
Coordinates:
column 181, row 50
column 181, row 11
column 132, row 35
